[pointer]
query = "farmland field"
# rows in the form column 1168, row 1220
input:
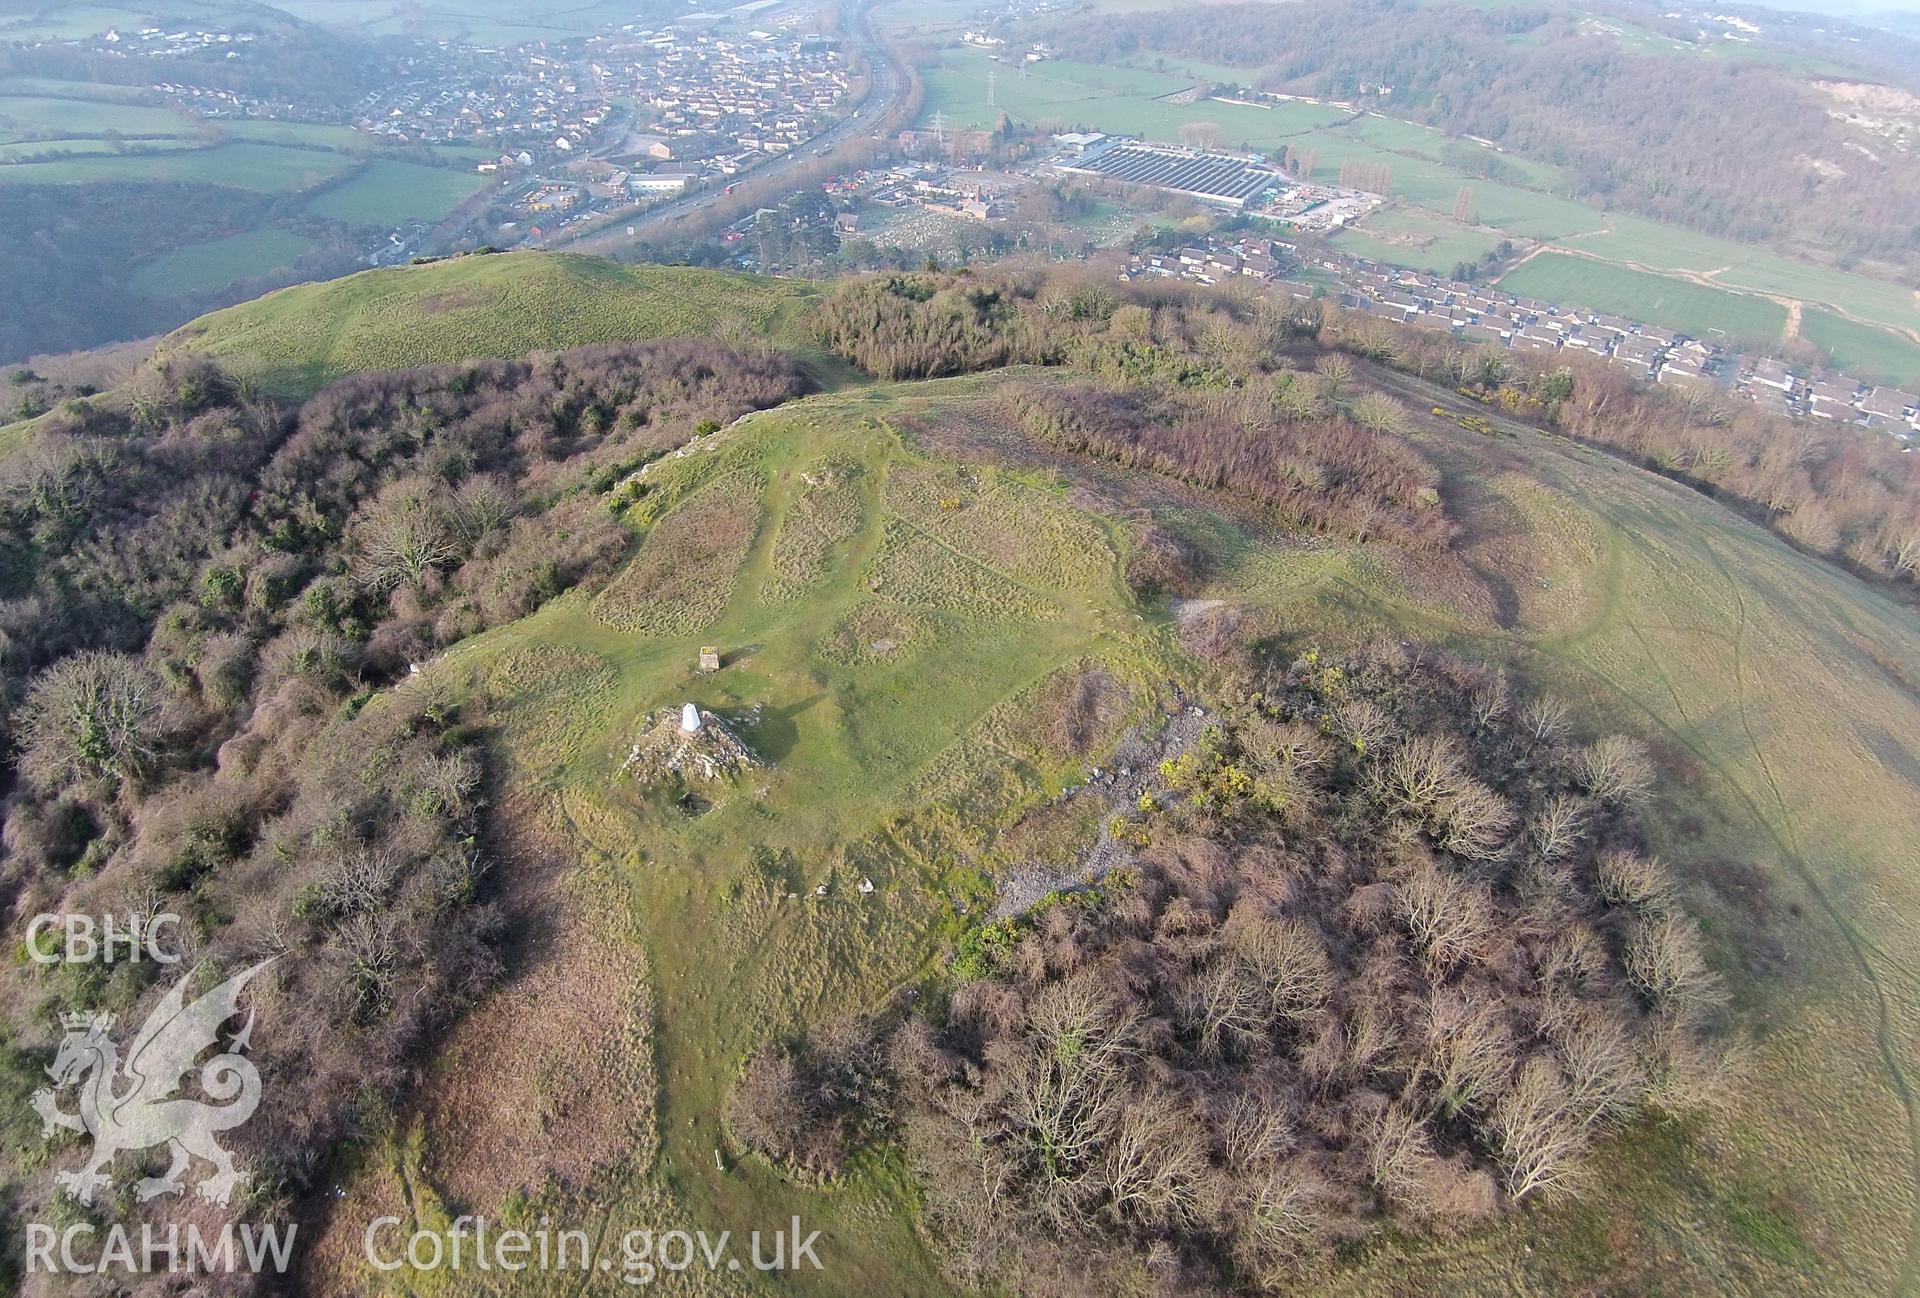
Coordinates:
column 98, row 91
column 53, row 150
column 239, row 185
column 1415, row 237
column 1642, row 243
column 259, row 167
column 1427, row 170
column 68, row 132
column 40, row 20
column 1863, row 350
column 1115, row 99
column 312, row 134
column 386, row 194
column 27, row 117
column 217, row 263
column 1192, row 68
column 1655, row 299
column 1121, row 100
column 486, row 22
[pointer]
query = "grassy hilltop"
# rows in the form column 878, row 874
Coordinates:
column 297, row 340
column 1781, row 692
column 904, row 585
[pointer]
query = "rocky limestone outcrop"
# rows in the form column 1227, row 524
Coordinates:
column 687, row 744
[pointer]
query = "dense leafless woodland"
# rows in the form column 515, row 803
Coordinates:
column 202, row 591
column 1394, row 951
column 1845, row 494
column 1268, row 398
column 1321, row 471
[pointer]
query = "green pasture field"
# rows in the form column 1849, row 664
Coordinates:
column 1862, row 350
column 1415, row 237
column 1655, row 299
column 479, row 22
column 1639, row 242
column 54, row 150
column 342, row 139
column 385, row 194
column 263, row 168
column 1119, row 100
column 97, row 91
column 218, row 262
column 29, row 117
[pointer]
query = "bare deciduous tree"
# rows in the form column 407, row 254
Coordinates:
column 1368, row 1036
column 1630, row 879
column 1684, row 1073
column 1603, row 1076
column 1615, row 769
column 365, row 949
column 1379, row 412
column 1362, row 724
column 1420, row 772
column 483, row 506
column 1063, row 1097
column 359, row 882
column 1664, row 963
column 1447, row 917
column 1467, row 1050
column 1282, row 1215
column 1557, row 829
column 1335, row 371
column 1398, row 1152
column 402, row 537
column 1223, row 1006
column 1540, row 1145
column 90, row 714
column 1289, row 959
column 1545, row 718
column 1476, row 821
column 1573, row 953
column 1152, row 1163
column 1256, row 1130
column 1489, row 701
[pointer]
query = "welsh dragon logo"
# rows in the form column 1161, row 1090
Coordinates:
column 136, row 1105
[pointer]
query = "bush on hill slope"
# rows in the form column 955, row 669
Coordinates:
column 202, row 591
column 1394, row 952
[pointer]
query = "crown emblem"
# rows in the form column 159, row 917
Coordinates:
column 83, row 1021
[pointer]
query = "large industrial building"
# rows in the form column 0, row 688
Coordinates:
column 1221, row 179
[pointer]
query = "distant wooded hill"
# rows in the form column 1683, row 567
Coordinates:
column 1739, row 145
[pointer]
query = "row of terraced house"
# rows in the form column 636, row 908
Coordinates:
column 1484, row 314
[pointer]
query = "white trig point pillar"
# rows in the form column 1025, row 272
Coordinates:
column 690, row 719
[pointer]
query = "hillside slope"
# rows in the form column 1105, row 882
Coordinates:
column 915, row 589
column 901, row 668
column 297, row 340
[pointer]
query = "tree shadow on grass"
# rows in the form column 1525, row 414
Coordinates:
column 779, row 728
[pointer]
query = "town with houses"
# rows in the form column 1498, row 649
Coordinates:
column 1241, row 185
column 1238, row 183
column 1483, row 314
column 710, row 104
column 613, row 121
column 584, row 130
